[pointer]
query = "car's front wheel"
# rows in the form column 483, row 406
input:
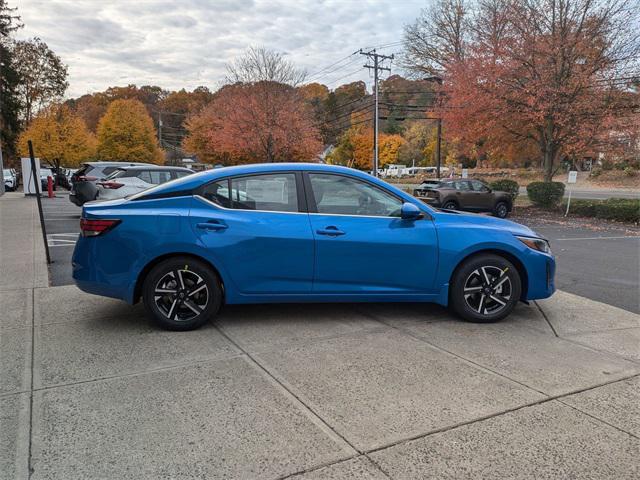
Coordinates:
column 450, row 205
column 484, row 289
column 181, row 293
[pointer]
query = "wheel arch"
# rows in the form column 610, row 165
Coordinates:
column 505, row 199
column 522, row 271
column 137, row 290
column 452, row 199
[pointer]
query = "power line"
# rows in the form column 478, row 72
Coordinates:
column 313, row 75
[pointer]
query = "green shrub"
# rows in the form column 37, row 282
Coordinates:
column 545, row 194
column 505, row 185
column 623, row 209
column 595, row 172
column 630, row 171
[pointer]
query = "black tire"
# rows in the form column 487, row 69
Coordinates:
column 450, row 205
column 471, row 275
column 501, row 210
column 175, row 308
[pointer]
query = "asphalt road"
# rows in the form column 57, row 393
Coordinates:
column 602, row 264
column 62, row 223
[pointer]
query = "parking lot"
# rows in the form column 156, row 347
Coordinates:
column 90, row 389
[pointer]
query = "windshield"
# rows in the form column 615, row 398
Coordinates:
column 6, row 172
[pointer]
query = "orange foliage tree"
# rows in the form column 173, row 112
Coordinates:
column 534, row 74
column 265, row 121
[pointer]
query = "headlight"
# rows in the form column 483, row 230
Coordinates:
column 539, row 244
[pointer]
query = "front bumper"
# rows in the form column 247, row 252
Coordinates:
column 541, row 271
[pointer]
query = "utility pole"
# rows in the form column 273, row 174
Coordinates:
column 377, row 58
column 160, row 128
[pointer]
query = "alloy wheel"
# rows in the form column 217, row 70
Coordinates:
column 488, row 289
column 181, row 295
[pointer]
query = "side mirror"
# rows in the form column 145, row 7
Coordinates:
column 410, row 212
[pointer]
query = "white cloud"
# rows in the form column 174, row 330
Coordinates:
column 186, row 43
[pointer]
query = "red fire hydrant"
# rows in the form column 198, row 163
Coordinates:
column 50, row 186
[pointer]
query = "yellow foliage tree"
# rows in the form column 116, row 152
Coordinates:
column 355, row 148
column 126, row 132
column 59, row 137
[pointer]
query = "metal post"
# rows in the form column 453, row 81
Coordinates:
column 1, row 171
column 438, row 146
column 36, row 184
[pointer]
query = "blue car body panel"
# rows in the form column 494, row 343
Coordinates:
column 266, row 256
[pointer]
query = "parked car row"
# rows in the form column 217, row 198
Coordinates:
column 112, row 180
column 466, row 194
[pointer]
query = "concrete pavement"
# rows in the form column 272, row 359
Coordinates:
column 90, row 389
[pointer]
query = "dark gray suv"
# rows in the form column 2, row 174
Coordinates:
column 465, row 194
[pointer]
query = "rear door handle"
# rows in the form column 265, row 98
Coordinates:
column 213, row 225
column 331, row 231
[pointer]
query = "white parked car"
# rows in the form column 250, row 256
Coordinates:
column 126, row 181
column 10, row 180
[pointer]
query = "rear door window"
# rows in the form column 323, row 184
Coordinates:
column 272, row 192
column 218, row 193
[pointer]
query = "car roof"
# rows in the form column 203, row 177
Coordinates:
column 155, row 167
column 117, row 164
column 191, row 182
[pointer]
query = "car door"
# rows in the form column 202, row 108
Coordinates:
column 362, row 244
column 481, row 195
column 257, row 228
column 463, row 194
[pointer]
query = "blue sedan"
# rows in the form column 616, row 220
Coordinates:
column 301, row 233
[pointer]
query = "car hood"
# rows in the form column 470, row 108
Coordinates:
column 485, row 221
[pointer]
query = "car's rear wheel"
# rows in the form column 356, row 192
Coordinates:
column 450, row 205
column 181, row 293
column 501, row 210
column 485, row 289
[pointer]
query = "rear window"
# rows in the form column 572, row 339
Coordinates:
column 155, row 177
column 83, row 170
column 119, row 173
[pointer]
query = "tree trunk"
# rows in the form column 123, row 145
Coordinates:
column 549, row 151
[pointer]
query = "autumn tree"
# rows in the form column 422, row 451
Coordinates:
column 59, row 137
column 542, row 73
column 261, row 122
column 126, row 132
column 437, row 38
column 9, row 83
column 355, row 148
column 259, row 64
column 259, row 116
column 43, row 76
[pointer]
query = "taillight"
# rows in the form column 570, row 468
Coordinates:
column 111, row 185
column 84, row 178
column 93, row 228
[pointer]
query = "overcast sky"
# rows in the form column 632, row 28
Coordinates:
column 186, row 43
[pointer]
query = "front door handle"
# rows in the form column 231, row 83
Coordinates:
column 331, row 231
column 212, row 226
